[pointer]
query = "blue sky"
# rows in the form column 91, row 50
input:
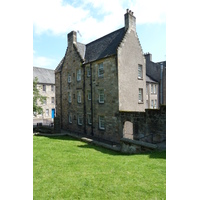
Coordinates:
column 94, row 19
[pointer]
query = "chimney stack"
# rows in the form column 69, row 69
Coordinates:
column 130, row 20
column 72, row 38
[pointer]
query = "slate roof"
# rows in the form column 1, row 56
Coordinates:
column 44, row 75
column 104, row 46
column 150, row 80
column 100, row 48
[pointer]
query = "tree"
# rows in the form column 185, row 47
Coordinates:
column 37, row 97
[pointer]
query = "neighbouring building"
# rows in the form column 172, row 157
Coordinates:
column 157, row 71
column 46, row 86
column 152, row 93
column 96, row 81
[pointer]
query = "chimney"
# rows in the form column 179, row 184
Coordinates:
column 148, row 56
column 72, row 38
column 130, row 20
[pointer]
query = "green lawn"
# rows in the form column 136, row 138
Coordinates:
column 65, row 168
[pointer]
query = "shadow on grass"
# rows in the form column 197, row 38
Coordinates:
column 153, row 155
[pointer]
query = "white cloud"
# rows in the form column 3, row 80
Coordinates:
column 44, row 62
column 59, row 17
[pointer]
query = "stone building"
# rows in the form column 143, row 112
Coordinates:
column 46, row 86
column 157, row 71
column 95, row 81
column 152, row 93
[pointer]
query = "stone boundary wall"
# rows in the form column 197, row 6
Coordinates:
column 148, row 126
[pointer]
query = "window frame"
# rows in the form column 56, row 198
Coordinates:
column 100, row 70
column 79, row 96
column 101, row 95
column 88, row 72
column 78, row 76
column 53, row 100
column 80, row 119
column 140, row 95
column 140, row 71
column 100, row 123
column 70, row 118
column 69, row 78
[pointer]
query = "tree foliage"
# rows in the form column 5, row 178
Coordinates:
column 37, row 97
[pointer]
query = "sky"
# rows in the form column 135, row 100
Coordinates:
column 92, row 19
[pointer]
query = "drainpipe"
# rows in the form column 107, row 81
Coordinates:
column 161, row 83
column 84, row 107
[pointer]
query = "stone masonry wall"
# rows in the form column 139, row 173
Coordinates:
column 109, row 109
column 148, row 127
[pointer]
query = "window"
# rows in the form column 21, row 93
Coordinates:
column 152, row 102
column 79, row 96
column 155, row 103
column 52, row 99
column 89, row 119
column 101, row 96
column 151, row 88
column 140, row 97
column 100, row 70
column 44, row 88
column 69, row 97
column 88, row 72
column 80, row 119
column 70, row 118
column 79, row 75
column 101, row 123
column 45, row 102
column 52, row 88
column 140, row 72
column 155, row 89
column 69, row 78
column 47, row 112
column 146, row 89
column 89, row 95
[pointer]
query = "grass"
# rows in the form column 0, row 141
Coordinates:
column 65, row 168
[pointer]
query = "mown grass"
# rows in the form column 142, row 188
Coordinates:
column 65, row 168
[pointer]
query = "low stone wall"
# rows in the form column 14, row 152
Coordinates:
column 133, row 146
column 148, row 126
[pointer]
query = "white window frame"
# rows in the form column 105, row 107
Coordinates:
column 152, row 103
column 70, row 118
column 79, row 96
column 69, row 97
column 155, row 88
column 89, row 95
column 140, row 72
column 101, row 96
column 102, row 122
column 47, row 112
column 140, row 95
column 52, row 88
column 69, row 78
column 80, row 119
column 45, row 101
column 100, row 70
column 151, row 88
column 155, row 103
column 79, row 75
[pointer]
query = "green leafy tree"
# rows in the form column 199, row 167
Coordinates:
column 37, row 97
